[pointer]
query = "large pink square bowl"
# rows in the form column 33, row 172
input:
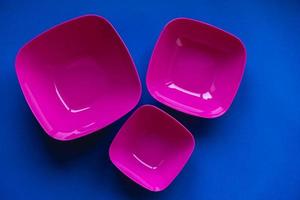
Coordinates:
column 196, row 68
column 151, row 148
column 78, row 77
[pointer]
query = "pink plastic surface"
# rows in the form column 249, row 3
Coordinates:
column 196, row 68
column 78, row 77
column 151, row 148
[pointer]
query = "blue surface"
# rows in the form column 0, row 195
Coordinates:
column 252, row 152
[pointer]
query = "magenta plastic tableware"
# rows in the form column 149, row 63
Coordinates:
column 78, row 77
column 151, row 148
column 196, row 68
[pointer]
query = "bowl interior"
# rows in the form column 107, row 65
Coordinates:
column 78, row 77
column 151, row 148
column 196, row 68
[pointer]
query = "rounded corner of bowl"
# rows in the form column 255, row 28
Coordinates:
column 171, row 22
column 177, row 19
column 151, row 107
column 174, row 20
column 63, row 136
column 191, row 137
column 157, row 189
column 66, row 138
column 17, row 65
column 20, row 53
column 91, row 15
column 144, row 106
column 61, row 139
column 55, row 136
column 241, row 45
column 88, row 15
column 219, row 114
column 244, row 49
column 149, row 186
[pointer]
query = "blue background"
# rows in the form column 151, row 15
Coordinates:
column 251, row 152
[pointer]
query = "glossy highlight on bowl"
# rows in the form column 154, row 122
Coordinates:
column 196, row 68
column 78, row 77
column 151, row 148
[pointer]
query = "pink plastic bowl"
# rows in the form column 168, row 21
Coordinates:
column 78, row 77
column 196, row 68
column 151, row 148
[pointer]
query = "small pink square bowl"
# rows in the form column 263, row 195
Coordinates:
column 196, row 68
column 151, row 148
column 78, row 77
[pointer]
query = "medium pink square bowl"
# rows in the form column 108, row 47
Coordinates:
column 151, row 148
column 196, row 68
column 78, row 77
